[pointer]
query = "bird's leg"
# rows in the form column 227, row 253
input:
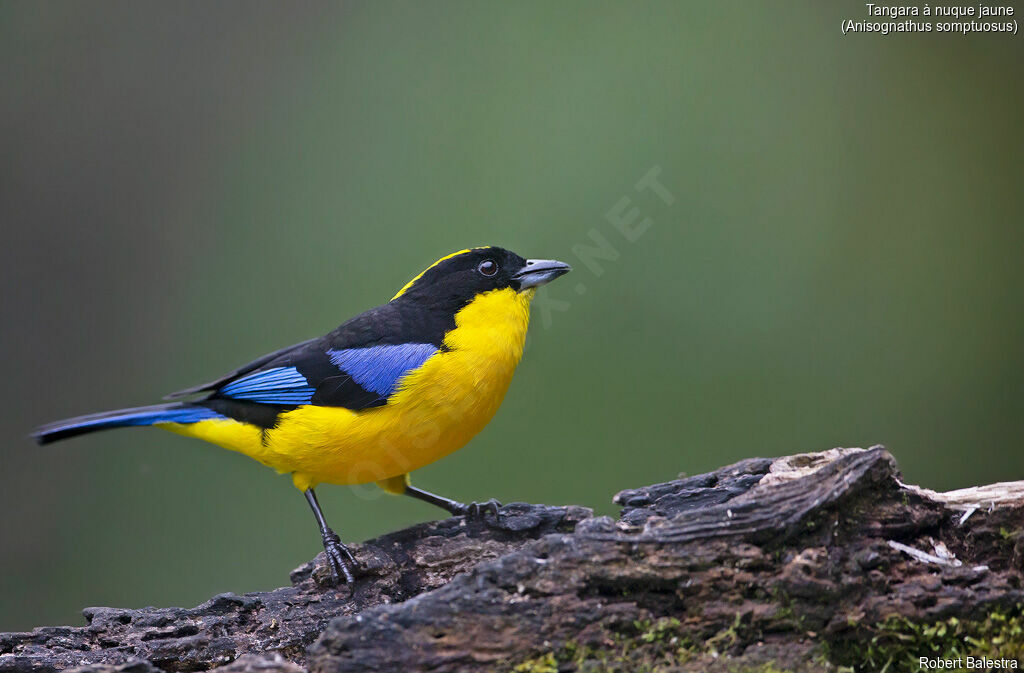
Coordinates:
column 341, row 559
column 476, row 510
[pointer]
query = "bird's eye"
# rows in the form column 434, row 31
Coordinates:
column 488, row 267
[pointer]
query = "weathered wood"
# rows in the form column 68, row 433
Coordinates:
column 285, row 621
column 807, row 562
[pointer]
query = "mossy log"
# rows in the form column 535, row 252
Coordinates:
column 815, row 562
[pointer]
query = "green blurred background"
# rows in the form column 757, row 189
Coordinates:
column 187, row 186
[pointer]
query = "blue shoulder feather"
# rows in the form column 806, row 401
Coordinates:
column 379, row 368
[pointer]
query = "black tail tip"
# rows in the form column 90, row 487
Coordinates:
column 47, row 434
column 42, row 437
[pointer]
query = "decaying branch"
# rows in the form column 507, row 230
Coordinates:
column 807, row 562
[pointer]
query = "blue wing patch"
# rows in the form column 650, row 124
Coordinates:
column 280, row 385
column 376, row 369
column 379, row 368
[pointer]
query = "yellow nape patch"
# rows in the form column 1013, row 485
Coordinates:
column 420, row 274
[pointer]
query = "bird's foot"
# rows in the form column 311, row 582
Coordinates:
column 478, row 510
column 339, row 557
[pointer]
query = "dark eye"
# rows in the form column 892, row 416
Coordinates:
column 488, row 267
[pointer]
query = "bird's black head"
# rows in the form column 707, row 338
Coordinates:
column 454, row 280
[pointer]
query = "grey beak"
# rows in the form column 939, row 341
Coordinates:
column 540, row 271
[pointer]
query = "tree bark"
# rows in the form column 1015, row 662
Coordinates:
column 804, row 563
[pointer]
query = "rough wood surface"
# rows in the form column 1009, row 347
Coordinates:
column 807, row 562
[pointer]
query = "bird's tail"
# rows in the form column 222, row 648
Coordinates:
column 175, row 412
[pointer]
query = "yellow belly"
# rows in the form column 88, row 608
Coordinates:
column 437, row 408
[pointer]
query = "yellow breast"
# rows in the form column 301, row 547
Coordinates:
column 437, row 408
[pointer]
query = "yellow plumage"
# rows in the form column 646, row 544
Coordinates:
column 436, row 410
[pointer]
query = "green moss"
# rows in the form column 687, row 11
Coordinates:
column 658, row 630
column 893, row 646
column 650, row 645
column 546, row 663
column 762, row 668
column 724, row 639
column 897, row 644
column 627, row 660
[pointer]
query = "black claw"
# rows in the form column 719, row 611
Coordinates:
column 339, row 557
column 480, row 510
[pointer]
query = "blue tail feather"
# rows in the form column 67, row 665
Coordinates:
column 175, row 412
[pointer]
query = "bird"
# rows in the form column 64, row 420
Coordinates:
column 389, row 391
